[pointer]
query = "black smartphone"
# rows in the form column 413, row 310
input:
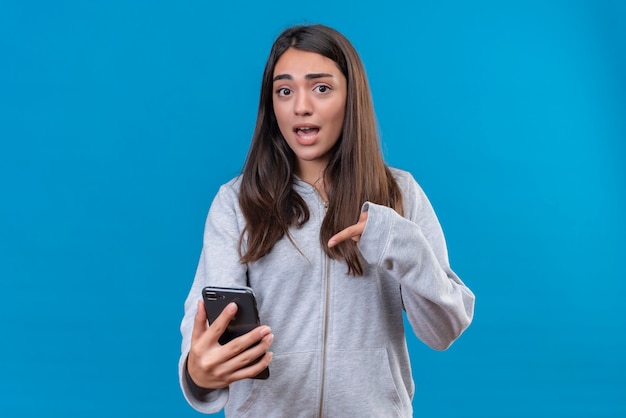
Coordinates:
column 246, row 319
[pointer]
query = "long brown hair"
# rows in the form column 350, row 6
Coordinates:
column 355, row 173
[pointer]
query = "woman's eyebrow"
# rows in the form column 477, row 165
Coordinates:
column 317, row 75
column 307, row 77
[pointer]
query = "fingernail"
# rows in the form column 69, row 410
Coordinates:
column 331, row 242
column 232, row 307
column 264, row 331
column 270, row 338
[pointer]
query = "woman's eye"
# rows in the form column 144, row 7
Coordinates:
column 323, row 89
column 284, row 91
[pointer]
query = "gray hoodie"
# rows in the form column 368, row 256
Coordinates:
column 339, row 341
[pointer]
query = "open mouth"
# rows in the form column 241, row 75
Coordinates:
column 306, row 131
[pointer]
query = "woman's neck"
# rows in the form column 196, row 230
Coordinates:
column 315, row 177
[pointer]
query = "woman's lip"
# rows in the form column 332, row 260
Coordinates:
column 306, row 131
column 305, row 126
column 308, row 136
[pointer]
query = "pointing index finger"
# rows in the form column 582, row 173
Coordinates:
column 354, row 232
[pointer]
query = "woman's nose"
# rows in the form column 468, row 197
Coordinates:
column 303, row 105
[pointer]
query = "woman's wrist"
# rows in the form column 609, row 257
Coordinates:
column 196, row 390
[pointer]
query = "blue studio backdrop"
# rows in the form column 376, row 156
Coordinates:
column 120, row 119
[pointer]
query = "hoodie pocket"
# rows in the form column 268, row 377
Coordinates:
column 361, row 383
column 291, row 390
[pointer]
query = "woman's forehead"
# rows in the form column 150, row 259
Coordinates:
column 298, row 63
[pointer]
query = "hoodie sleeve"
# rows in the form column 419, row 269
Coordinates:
column 412, row 250
column 218, row 266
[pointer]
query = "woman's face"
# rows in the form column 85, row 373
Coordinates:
column 309, row 104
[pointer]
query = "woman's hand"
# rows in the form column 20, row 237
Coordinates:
column 352, row 232
column 212, row 365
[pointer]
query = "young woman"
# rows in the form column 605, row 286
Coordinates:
column 334, row 244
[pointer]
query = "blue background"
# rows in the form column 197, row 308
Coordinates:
column 120, row 119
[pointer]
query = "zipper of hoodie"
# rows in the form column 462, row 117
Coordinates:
column 325, row 334
column 325, row 331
